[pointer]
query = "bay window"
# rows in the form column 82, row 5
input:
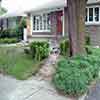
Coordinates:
column 92, row 14
column 41, row 23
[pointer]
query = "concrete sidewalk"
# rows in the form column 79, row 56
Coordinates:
column 32, row 89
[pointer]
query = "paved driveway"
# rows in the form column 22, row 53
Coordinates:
column 32, row 89
column 94, row 93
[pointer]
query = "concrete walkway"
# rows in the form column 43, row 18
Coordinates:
column 32, row 89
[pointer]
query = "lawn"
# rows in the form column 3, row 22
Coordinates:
column 15, row 62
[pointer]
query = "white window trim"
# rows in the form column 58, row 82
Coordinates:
column 92, row 22
column 47, row 30
column 41, row 31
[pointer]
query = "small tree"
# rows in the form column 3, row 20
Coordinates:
column 76, row 25
column 2, row 10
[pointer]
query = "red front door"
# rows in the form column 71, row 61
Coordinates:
column 59, row 22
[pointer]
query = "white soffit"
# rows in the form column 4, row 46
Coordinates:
column 51, row 4
column 93, row 1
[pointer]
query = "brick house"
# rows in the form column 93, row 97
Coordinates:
column 50, row 21
column 47, row 21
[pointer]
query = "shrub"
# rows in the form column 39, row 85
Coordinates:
column 23, row 23
column 8, row 40
column 39, row 50
column 27, row 50
column 87, row 43
column 9, row 33
column 87, row 40
column 73, row 75
column 64, row 47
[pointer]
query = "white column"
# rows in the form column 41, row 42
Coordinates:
column 31, row 21
column 99, row 14
column 42, row 22
column 63, row 26
column 93, row 14
column 25, row 35
column 87, row 14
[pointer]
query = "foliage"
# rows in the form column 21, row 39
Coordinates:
column 15, row 62
column 73, row 75
column 8, row 40
column 39, row 50
column 64, row 47
column 2, row 11
column 88, row 49
column 87, row 43
column 9, row 33
column 22, row 24
column 87, row 40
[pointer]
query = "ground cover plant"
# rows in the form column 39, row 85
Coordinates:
column 74, row 75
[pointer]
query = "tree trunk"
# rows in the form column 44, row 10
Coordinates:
column 76, row 26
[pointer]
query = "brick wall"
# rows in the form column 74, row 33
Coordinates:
column 94, row 33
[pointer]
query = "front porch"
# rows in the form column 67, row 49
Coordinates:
column 47, row 24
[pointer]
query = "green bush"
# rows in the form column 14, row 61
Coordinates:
column 64, row 47
column 87, row 43
column 73, row 75
column 39, row 50
column 9, row 33
column 23, row 23
column 8, row 40
column 87, row 40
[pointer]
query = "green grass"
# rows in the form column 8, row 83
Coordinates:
column 15, row 62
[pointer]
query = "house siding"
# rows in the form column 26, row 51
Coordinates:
column 94, row 32
column 41, row 33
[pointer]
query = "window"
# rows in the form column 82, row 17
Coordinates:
column 41, row 23
column 11, row 22
column 92, row 15
column 96, row 14
column 86, row 15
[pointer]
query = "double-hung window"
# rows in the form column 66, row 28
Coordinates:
column 92, row 15
column 41, row 23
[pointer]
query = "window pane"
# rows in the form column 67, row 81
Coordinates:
column 90, row 14
column 96, row 14
column 86, row 14
column 41, row 22
column 37, row 22
column 34, row 18
column 48, row 22
column 44, row 21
